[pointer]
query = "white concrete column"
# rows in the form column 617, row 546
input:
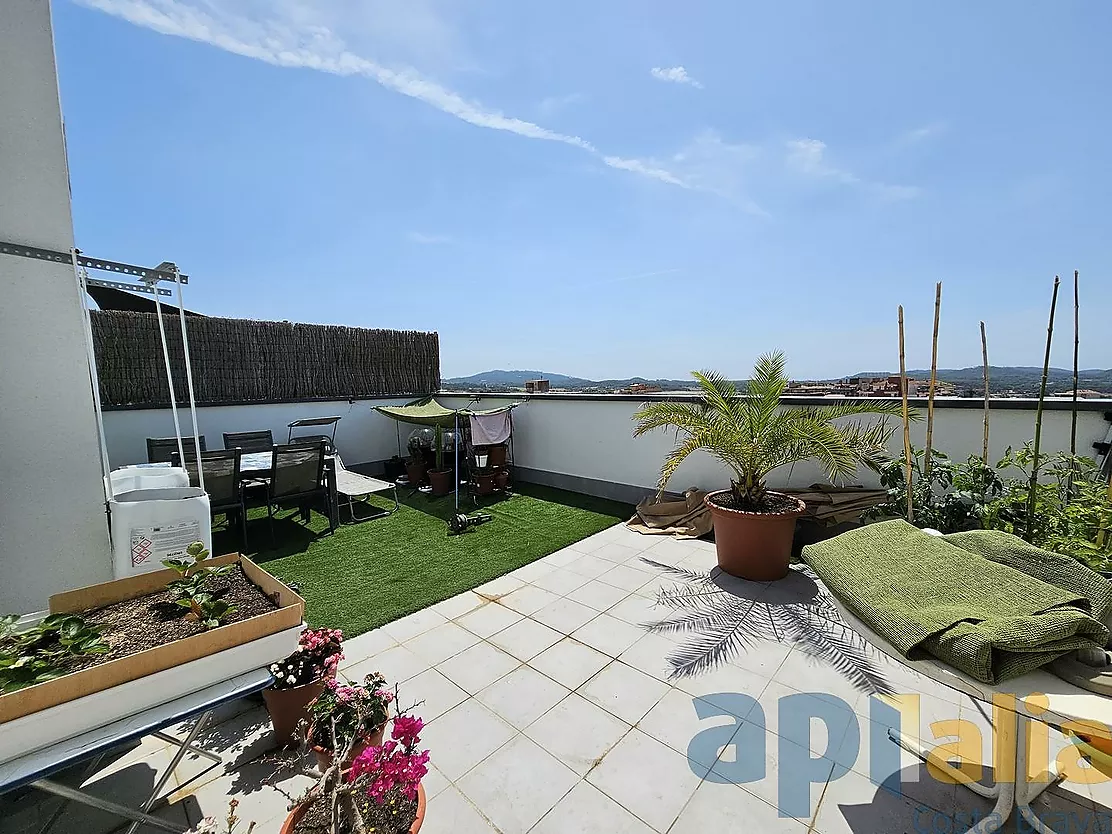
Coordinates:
column 53, row 531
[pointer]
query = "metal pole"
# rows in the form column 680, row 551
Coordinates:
column 189, row 385
column 170, row 377
column 73, row 795
column 456, row 445
column 94, row 377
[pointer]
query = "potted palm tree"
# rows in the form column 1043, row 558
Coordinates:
column 752, row 435
column 440, row 477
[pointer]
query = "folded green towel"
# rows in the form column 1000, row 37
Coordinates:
column 923, row 594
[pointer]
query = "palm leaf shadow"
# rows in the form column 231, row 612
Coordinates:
column 720, row 625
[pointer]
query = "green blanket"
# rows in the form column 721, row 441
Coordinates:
column 979, row 613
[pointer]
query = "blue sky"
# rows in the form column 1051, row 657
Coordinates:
column 607, row 189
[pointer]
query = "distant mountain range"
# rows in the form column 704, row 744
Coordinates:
column 1001, row 379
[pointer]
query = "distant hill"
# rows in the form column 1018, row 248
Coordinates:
column 1001, row 379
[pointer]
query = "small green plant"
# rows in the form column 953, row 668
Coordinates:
column 188, row 590
column 953, row 498
column 46, row 651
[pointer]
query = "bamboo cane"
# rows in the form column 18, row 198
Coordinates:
column 906, row 421
column 984, row 362
column 1076, row 342
column 1039, row 414
column 934, row 379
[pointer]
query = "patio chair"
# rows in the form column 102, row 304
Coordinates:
column 297, row 479
column 159, row 449
column 329, row 439
column 222, row 483
column 352, row 485
column 249, row 441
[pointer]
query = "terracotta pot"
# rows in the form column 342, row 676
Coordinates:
column 502, row 478
column 442, row 481
column 497, row 455
column 415, row 472
column 754, row 546
column 297, row 813
column 288, row 706
column 484, row 484
column 324, row 755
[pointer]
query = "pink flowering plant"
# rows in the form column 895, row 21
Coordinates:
column 350, row 711
column 317, row 656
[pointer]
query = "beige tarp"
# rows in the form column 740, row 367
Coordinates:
column 828, row 504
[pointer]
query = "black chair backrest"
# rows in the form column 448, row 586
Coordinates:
column 221, row 467
column 249, row 441
column 296, row 469
column 159, row 449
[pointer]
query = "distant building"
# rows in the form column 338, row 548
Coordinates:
column 536, row 386
column 641, row 388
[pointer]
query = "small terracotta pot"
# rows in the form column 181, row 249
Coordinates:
column 754, row 546
column 297, row 813
column 325, row 756
column 441, row 480
column 502, row 478
column 415, row 473
column 287, row 707
column 484, row 484
column 497, row 455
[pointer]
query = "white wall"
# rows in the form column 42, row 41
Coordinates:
column 594, row 439
column 362, row 435
column 53, row 533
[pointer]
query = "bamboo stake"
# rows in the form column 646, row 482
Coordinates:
column 1039, row 414
column 906, row 421
column 1076, row 341
column 934, row 379
column 984, row 361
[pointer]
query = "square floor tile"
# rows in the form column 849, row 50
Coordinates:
column 623, row 691
column 417, row 623
column 499, row 587
column 647, row 778
column 589, row 566
column 463, row 737
column 670, row 551
column 570, row 662
column 517, row 785
column 822, row 733
column 562, row 557
column 720, row 684
column 489, row 619
column 532, row 571
column 598, row 595
column 763, row 657
column 397, row 664
column 608, row 634
column 852, row 803
column 561, row 581
column 614, row 552
column 804, row 672
column 587, row 810
column 636, row 610
column 565, row 615
column 366, row 645
column 526, row 639
column 440, row 643
column 478, row 667
column 458, row 605
column 625, row 576
column 528, row 599
column 675, row 722
column 716, row 807
column 522, row 696
column 650, row 655
column 434, row 782
column 450, row 812
column 577, row 732
column 435, row 693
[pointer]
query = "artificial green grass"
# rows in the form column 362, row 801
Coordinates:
column 373, row 572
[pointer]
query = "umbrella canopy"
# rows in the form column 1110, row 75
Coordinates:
column 428, row 412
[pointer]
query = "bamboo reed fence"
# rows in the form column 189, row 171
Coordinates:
column 239, row 360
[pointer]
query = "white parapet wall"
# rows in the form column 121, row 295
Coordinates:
column 53, row 530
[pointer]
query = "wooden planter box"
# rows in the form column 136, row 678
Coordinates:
column 47, row 712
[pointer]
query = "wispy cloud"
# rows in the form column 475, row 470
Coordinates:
column 551, row 105
column 429, row 240
column 808, row 157
column 922, row 134
column 676, row 75
column 297, row 44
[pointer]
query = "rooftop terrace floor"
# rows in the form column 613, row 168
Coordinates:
column 551, row 707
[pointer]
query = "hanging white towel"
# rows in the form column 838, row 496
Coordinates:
column 488, row 429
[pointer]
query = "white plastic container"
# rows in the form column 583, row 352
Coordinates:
column 149, row 525
column 147, row 476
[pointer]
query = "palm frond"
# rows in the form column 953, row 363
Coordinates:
column 681, row 573
column 710, row 648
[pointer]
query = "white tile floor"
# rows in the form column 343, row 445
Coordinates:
column 550, row 709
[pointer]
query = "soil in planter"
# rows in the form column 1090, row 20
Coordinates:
column 316, row 819
column 772, row 504
column 134, row 625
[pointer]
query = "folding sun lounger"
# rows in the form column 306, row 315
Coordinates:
column 352, row 485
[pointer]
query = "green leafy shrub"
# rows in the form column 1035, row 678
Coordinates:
column 49, row 650
column 188, row 590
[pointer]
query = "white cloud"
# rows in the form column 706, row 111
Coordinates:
column 297, row 43
column 921, row 134
column 428, row 240
column 677, row 75
column 808, row 157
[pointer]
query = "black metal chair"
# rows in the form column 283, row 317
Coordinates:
column 249, row 441
column 222, row 483
column 159, row 449
column 297, row 478
column 329, row 439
